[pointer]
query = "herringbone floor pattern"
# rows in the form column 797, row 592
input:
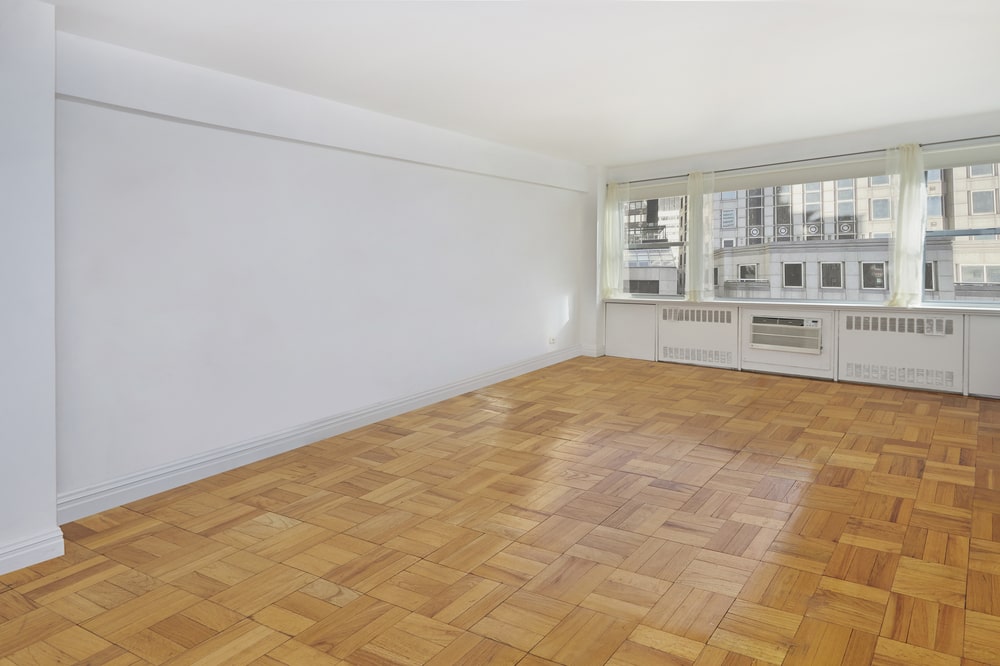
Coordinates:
column 600, row 511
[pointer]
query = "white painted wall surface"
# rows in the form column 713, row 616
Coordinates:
column 217, row 286
column 28, row 530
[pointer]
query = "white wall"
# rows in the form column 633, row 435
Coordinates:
column 227, row 291
column 28, row 530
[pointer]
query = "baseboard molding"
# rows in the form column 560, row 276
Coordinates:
column 83, row 502
column 24, row 553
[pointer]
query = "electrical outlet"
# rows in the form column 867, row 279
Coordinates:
column 552, row 341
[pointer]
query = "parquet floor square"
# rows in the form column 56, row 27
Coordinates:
column 599, row 511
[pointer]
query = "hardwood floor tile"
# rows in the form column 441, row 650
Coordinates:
column 599, row 510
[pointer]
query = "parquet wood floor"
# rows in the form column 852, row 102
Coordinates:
column 600, row 511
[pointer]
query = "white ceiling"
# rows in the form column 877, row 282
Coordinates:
column 595, row 82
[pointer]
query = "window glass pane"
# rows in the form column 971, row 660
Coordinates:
column 880, row 180
column 880, row 209
column 779, row 246
column 971, row 273
column 654, row 246
column 933, row 175
column 794, row 274
column 983, row 201
column 934, row 206
column 831, row 275
column 873, row 275
column 966, row 263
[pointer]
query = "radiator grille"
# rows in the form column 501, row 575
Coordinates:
column 694, row 355
column 900, row 375
column 916, row 325
column 705, row 316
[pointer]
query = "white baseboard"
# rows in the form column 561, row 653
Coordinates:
column 19, row 554
column 83, row 502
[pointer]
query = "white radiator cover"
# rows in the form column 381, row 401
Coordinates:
column 902, row 349
column 699, row 335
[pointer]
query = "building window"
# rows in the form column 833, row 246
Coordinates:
column 747, row 272
column 934, row 206
column 983, row 202
column 980, row 170
column 728, row 242
column 930, row 276
column 881, row 209
column 729, row 218
column 972, row 273
column 873, row 275
column 831, row 275
column 879, row 180
column 715, row 276
column 933, row 175
column 793, row 274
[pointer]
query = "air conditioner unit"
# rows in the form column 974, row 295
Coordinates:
column 790, row 342
column 793, row 334
column 699, row 335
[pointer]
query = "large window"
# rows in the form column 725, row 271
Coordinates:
column 788, row 233
column 827, row 236
column 654, row 246
column 965, row 246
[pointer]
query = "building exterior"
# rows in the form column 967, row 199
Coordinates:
column 825, row 241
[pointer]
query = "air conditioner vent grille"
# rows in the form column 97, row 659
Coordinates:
column 790, row 334
column 698, row 315
column 915, row 325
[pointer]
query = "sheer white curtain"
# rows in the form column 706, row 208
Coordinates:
column 699, row 237
column 614, row 240
column 906, row 281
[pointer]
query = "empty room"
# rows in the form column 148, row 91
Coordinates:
column 499, row 332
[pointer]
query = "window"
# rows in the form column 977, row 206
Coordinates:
column 831, row 275
column 965, row 206
column 930, row 276
column 873, row 275
column 934, row 206
column 728, row 242
column 748, row 272
column 881, row 209
column 729, row 218
column 983, row 202
column 879, row 180
column 971, row 273
column 793, row 274
column 933, row 175
column 653, row 261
